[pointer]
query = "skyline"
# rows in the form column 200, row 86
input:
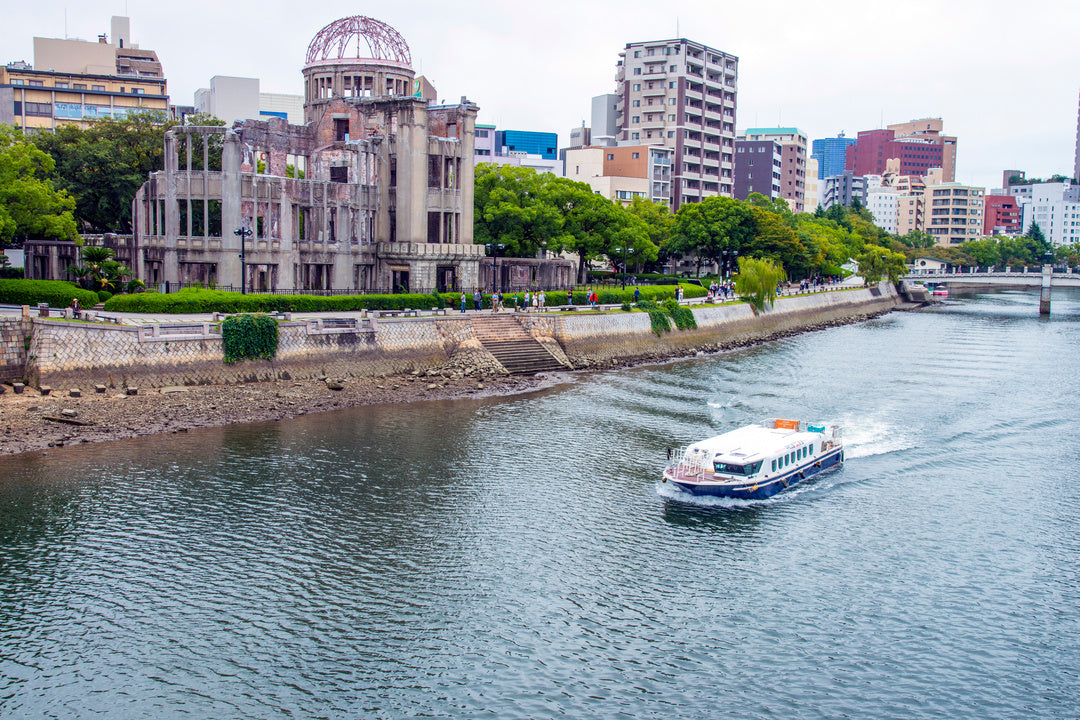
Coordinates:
column 1008, row 108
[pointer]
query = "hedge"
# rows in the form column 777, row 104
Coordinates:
column 198, row 300
column 249, row 337
column 58, row 293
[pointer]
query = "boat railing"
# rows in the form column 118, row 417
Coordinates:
column 690, row 464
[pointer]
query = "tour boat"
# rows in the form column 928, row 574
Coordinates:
column 756, row 461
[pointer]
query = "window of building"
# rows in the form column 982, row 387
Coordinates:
column 37, row 83
column 671, row 118
column 671, row 133
column 100, row 88
column 636, row 119
column 671, row 68
column 61, row 84
column 637, row 71
column 635, row 156
column 637, row 87
column 637, row 53
column 637, row 103
column 635, row 136
column 611, row 156
column 672, row 101
column 78, row 86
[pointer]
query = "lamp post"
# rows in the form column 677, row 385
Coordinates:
column 244, row 232
column 495, row 248
column 625, row 250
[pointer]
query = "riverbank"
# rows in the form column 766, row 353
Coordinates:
column 32, row 422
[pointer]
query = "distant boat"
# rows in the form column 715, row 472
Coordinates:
column 756, row 461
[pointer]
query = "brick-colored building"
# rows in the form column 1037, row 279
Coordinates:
column 1001, row 215
column 918, row 145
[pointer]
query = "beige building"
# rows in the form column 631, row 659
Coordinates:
column 625, row 172
column 812, row 190
column 793, row 156
column 75, row 81
column 953, row 213
column 930, row 130
column 681, row 95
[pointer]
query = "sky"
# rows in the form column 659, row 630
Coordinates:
column 1003, row 75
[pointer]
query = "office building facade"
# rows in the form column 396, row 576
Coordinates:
column 831, row 154
column 792, row 143
column 758, row 166
column 78, row 82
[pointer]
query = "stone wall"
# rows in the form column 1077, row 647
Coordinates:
column 598, row 339
column 13, row 336
column 68, row 354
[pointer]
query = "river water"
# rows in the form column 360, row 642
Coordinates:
column 516, row 558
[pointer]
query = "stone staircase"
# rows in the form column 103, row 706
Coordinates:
column 503, row 336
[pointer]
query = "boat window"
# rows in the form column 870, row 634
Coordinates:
column 811, row 448
column 774, row 465
column 737, row 469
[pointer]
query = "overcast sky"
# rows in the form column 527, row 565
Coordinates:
column 1003, row 75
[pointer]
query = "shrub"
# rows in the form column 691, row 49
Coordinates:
column 57, row 293
column 11, row 273
column 104, row 295
column 249, row 337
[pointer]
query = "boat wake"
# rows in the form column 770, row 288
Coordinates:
column 866, row 439
column 667, row 491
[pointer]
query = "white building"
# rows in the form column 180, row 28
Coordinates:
column 884, row 203
column 1056, row 208
column 235, row 99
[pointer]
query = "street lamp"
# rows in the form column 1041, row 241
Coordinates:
column 494, row 248
column 625, row 250
column 244, row 232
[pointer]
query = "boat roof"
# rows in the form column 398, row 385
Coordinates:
column 754, row 441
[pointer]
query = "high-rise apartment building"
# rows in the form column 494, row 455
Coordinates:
column 831, row 155
column 758, row 166
column 681, row 94
column 918, row 145
column 792, row 143
column 1055, row 206
column 1001, row 215
column 75, row 81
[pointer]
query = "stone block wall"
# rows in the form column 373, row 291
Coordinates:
column 590, row 339
column 65, row 354
column 13, row 351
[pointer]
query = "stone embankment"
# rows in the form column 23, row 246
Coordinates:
column 158, row 378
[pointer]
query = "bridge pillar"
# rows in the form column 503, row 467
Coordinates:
column 1044, row 298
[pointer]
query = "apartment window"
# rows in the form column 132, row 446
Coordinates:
column 611, row 156
column 671, row 68
column 39, row 109
column 636, row 119
column 100, row 88
column 671, row 133
column 78, row 86
column 62, row 85
column 18, row 81
column 671, row 118
column 37, row 83
column 671, row 84
column 636, row 156
column 637, row 53
column 637, row 87
column 671, row 101
column 635, row 136
column 482, row 133
column 637, row 103
column 637, row 71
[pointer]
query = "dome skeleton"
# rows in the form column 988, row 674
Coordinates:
column 336, row 40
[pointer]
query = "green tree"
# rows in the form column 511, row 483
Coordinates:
column 513, row 207
column 773, row 237
column 712, row 226
column 757, row 281
column 659, row 220
column 876, row 263
column 30, row 206
column 918, row 239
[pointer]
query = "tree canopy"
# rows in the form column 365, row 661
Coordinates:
column 30, row 206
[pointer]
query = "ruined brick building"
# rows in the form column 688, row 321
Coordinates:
column 373, row 193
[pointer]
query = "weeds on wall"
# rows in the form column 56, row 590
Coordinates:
column 249, row 337
column 659, row 316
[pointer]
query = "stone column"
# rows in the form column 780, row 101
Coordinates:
column 1044, row 298
column 229, row 265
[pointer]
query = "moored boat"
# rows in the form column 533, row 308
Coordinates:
column 756, row 461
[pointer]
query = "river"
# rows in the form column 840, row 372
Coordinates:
column 516, row 557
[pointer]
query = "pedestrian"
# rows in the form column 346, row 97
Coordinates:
column 462, row 301
column 637, row 295
column 476, row 298
column 528, row 300
column 569, row 297
column 543, row 299
column 517, row 301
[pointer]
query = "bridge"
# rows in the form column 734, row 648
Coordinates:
column 981, row 279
